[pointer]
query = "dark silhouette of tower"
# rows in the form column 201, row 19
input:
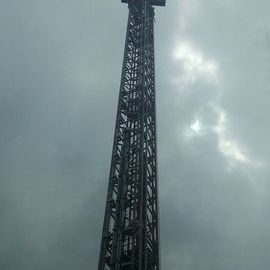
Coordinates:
column 130, row 236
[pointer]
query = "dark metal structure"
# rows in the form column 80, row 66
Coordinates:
column 130, row 237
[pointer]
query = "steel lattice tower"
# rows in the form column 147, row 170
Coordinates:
column 130, row 236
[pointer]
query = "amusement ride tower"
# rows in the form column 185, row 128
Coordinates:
column 130, row 236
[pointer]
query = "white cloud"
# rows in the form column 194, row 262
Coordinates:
column 197, row 67
column 235, row 153
column 228, row 146
column 194, row 64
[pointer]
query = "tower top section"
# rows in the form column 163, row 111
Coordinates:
column 161, row 3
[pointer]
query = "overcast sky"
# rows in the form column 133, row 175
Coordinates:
column 60, row 63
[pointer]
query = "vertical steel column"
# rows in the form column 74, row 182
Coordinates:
column 130, row 237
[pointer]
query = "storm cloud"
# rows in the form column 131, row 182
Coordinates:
column 59, row 81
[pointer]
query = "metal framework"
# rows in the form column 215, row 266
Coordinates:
column 130, row 236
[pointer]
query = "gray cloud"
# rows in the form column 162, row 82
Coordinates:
column 60, row 72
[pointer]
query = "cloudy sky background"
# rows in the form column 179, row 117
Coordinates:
column 59, row 81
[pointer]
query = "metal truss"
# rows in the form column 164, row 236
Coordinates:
column 130, row 237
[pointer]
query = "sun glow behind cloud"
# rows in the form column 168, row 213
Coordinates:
column 196, row 128
column 226, row 145
column 196, row 67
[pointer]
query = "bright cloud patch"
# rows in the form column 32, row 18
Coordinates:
column 194, row 129
column 195, row 65
column 196, row 126
column 228, row 147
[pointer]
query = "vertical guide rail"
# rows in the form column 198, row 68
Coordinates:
column 130, row 237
